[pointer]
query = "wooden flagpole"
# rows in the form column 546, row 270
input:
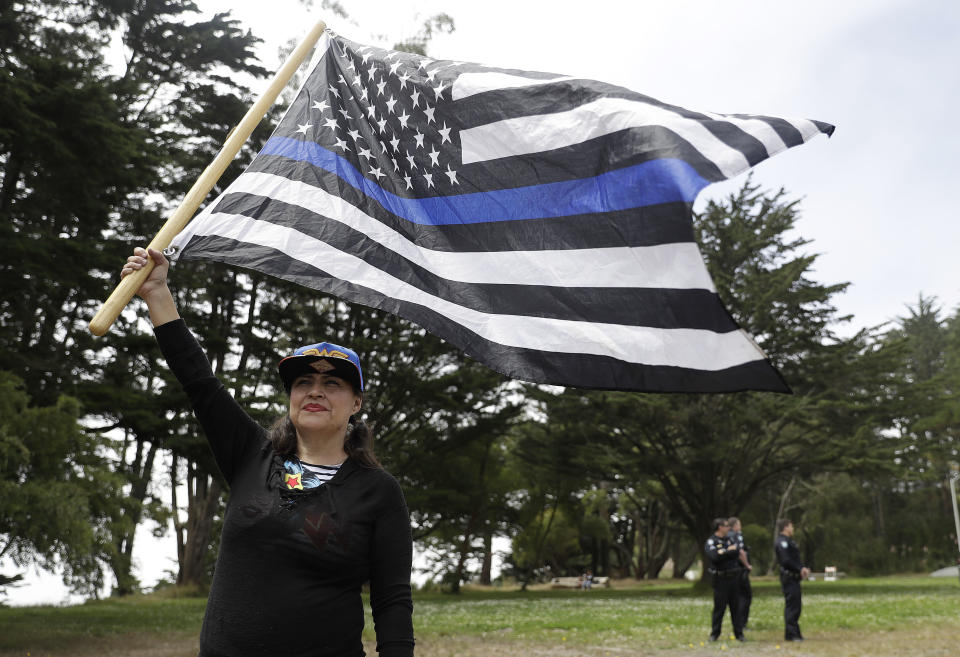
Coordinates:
column 122, row 294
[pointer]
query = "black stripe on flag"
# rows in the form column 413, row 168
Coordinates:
column 665, row 223
column 654, row 307
column 552, row 97
column 556, row 368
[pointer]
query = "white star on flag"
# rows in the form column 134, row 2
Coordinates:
column 444, row 133
column 452, row 175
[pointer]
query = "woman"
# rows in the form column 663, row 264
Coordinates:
column 311, row 514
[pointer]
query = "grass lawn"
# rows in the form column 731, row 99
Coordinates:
column 875, row 617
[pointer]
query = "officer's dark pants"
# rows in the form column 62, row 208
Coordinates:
column 791, row 607
column 746, row 597
column 726, row 593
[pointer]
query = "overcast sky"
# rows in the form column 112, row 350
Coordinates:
column 876, row 197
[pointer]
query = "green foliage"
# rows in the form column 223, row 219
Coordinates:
column 758, row 539
column 897, row 518
column 930, row 392
column 551, row 539
column 88, row 156
column 56, row 494
column 852, row 545
column 704, row 456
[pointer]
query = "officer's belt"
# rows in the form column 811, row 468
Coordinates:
column 729, row 572
column 792, row 574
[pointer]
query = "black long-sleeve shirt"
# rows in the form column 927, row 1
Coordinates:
column 722, row 553
column 292, row 562
column 737, row 538
column 788, row 554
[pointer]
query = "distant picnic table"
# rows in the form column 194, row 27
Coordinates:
column 575, row 582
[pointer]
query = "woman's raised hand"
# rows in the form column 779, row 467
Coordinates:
column 157, row 280
column 154, row 290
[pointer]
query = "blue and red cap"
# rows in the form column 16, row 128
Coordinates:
column 322, row 358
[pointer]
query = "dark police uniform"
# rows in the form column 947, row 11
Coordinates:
column 788, row 554
column 745, row 591
column 723, row 557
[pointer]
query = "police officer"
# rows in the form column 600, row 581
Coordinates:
column 723, row 557
column 745, row 591
column 792, row 571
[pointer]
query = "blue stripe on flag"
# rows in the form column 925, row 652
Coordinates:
column 666, row 180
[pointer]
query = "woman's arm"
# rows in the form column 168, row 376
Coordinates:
column 232, row 434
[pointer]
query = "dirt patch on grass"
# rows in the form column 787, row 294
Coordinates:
column 123, row 645
column 918, row 642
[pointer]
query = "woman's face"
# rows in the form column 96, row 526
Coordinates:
column 322, row 403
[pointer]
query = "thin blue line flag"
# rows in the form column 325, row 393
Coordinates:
column 540, row 223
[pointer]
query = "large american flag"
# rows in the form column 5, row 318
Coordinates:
column 540, row 223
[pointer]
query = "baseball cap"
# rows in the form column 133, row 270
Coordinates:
column 323, row 358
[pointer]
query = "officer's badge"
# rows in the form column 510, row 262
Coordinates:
column 783, row 544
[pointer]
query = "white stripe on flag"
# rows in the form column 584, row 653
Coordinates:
column 677, row 266
column 604, row 116
column 690, row 348
column 468, row 84
column 807, row 128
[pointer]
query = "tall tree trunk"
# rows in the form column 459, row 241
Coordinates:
column 179, row 531
column 460, row 574
column 683, row 560
column 204, row 501
column 878, row 513
column 121, row 563
column 660, row 535
column 781, row 511
column 487, row 568
column 641, row 569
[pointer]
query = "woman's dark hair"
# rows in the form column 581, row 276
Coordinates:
column 782, row 524
column 358, row 445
